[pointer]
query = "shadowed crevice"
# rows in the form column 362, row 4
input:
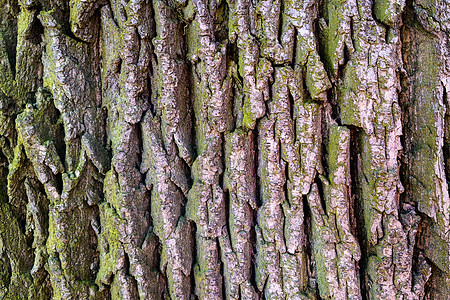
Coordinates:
column 357, row 224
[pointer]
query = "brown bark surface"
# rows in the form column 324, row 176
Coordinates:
column 194, row 149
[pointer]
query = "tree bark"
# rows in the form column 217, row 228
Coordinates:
column 238, row 149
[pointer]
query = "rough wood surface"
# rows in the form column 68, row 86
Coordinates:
column 195, row 149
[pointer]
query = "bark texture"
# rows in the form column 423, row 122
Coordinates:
column 224, row 149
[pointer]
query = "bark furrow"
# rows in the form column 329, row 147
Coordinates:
column 195, row 149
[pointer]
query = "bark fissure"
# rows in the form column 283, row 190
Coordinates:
column 197, row 149
column 356, row 208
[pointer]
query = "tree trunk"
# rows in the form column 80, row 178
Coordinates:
column 232, row 149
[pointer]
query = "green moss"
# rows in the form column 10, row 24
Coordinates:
column 109, row 246
column 248, row 120
column 7, row 82
column 24, row 22
column 19, row 253
column 194, row 204
column 319, row 243
column 386, row 11
column 316, row 79
column 436, row 248
column 192, row 32
column 330, row 36
column 348, row 93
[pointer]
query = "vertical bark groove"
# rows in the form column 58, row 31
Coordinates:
column 231, row 149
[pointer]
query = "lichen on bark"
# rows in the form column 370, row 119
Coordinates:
column 194, row 149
